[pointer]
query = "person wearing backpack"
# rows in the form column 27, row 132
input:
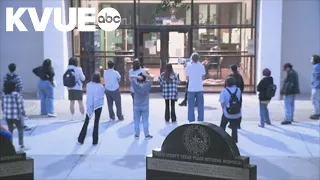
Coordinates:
column 16, row 79
column 72, row 79
column 238, row 82
column 231, row 107
column 267, row 91
column 12, row 76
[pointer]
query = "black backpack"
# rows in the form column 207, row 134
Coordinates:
column 69, row 78
column 11, row 78
column 234, row 103
column 271, row 90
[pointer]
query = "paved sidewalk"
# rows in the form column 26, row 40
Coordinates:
column 280, row 152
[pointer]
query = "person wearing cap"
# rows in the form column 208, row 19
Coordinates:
column 315, row 92
column 238, row 82
column 195, row 73
column 289, row 90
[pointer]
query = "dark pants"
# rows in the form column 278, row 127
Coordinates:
column 234, row 123
column 114, row 96
column 186, row 95
column 19, row 126
column 83, row 133
column 173, row 111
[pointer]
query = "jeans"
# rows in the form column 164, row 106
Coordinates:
column 114, row 96
column 83, row 132
column 264, row 114
column 315, row 98
column 173, row 111
column 289, row 107
column 19, row 126
column 234, row 123
column 198, row 97
column 46, row 97
column 141, row 113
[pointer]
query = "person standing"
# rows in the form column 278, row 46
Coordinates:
column 13, row 109
column 231, row 107
column 266, row 90
column 195, row 73
column 112, row 79
column 315, row 92
column 135, row 71
column 169, row 82
column 239, row 83
column 289, row 91
column 12, row 76
column 95, row 101
column 185, row 100
column 141, row 84
column 46, row 86
column 73, row 79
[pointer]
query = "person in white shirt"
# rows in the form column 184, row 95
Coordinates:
column 135, row 71
column 95, row 101
column 195, row 73
column 75, row 93
column 112, row 79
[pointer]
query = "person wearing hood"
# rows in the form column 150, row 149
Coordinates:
column 75, row 92
column 315, row 92
column 264, row 97
column 141, row 85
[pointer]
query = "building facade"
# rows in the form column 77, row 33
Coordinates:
column 254, row 34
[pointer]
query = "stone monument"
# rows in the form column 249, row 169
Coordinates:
column 199, row 151
column 14, row 165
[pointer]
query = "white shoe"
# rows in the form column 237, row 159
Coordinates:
column 23, row 148
column 72, row 117
column 52, row 115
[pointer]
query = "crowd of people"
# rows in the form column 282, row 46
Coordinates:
column 141, row 82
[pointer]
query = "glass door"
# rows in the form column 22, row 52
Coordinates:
column 157, row 48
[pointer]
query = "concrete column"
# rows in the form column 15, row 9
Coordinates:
column 269, row 40
column 56, row 46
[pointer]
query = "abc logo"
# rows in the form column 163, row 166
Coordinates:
column 109, row 19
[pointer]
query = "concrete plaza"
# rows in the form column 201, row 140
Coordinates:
column 281, row 152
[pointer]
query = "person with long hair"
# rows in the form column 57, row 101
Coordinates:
column 169, row 82
column 315, row 92
column 135, row 71
column 13, row 109
column 46, row 86
column 95, row 101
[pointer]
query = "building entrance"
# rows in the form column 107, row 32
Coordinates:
column 158, row 47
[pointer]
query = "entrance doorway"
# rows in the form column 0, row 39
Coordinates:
column 157, row 47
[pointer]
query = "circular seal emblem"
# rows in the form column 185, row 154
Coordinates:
column 196, row 140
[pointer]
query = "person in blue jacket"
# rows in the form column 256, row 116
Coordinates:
column 315, row 91
column 5, row 132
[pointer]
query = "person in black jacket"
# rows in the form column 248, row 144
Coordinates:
column 264, row 99
column 239, row 83
column 46, row 85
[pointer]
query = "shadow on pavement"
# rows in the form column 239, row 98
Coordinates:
column 134, row 161
column 266, row 169
column 266, row 141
